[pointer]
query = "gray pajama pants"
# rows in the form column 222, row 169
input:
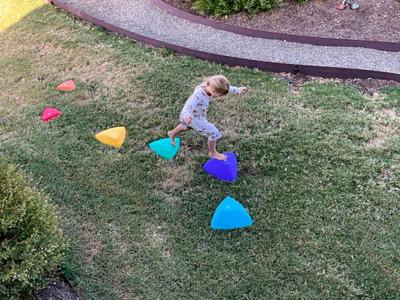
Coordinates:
column 203, row 127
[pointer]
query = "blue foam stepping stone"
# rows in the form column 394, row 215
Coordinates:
column 230, row 214
column 164, row 148
column 223, row 170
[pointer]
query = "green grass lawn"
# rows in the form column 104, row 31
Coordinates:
column 318, row 171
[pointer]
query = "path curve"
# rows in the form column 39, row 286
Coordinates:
column 143, row 21
column 302, row 39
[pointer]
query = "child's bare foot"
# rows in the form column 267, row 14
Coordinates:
column 217, row 155
column 172, row 136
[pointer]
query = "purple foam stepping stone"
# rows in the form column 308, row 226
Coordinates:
column 223, row 170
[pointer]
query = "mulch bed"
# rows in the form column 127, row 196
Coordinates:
column 377, row 20
column 59, row 289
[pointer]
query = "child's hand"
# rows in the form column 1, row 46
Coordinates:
column 188, row 119
column 242, row 90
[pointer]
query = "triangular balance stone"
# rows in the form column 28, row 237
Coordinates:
column 68, row 85
column 223, row 170
column 230, row 214
column 50, row 113
column 165, row 149
column 113, row 136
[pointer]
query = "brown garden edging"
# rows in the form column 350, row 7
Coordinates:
column 302, row 39
column 328, row 72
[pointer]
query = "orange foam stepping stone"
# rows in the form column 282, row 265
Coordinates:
column 68, row 85
column 113, row 136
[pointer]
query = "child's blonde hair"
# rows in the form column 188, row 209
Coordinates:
column 218, row 83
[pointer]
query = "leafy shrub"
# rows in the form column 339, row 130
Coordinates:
column 31, row 245
column 224, row 7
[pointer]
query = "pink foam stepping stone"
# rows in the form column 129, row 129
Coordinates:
column 50, row 113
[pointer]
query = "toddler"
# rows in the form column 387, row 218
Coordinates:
column 194, row 112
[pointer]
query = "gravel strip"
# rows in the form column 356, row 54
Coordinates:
column 142, row 17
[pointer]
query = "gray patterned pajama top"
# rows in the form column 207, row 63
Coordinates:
column 197, row 107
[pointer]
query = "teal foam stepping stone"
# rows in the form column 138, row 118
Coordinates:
column 165, row 149
column 230, row 214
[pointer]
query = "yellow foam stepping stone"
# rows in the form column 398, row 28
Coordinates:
column 113, row 136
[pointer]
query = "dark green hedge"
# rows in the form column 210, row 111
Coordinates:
column 224, row 7
column 31, row 244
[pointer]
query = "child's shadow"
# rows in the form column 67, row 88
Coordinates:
column 194, row 147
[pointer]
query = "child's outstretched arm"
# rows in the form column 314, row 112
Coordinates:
column 237, row 90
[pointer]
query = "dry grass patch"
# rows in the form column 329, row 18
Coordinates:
column 169, row 198
column 93, row 244
column 46, row 49
column 59, row 60
column 177, row 177
column 385, row 127
column 155, row 234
